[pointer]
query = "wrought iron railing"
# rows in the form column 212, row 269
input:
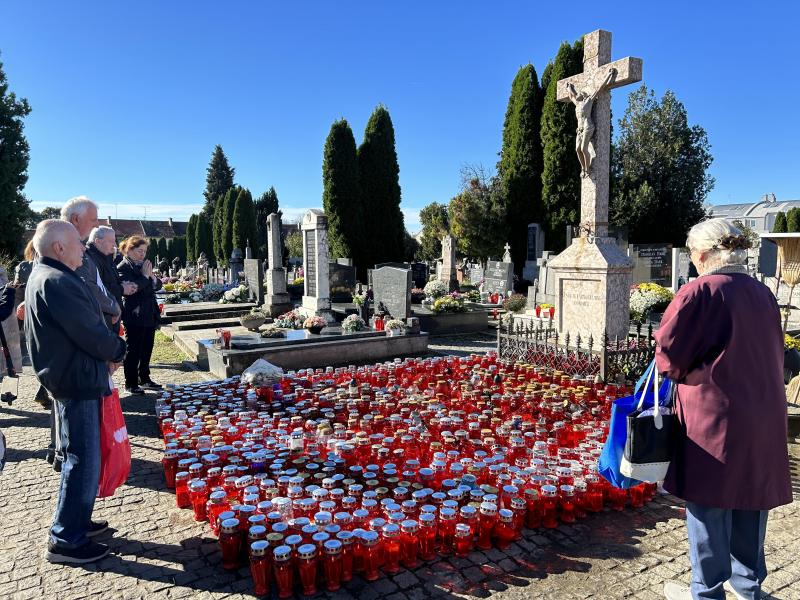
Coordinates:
column 540, row 343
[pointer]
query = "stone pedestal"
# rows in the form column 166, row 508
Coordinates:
column 448, row 271
column 316, row 285
column 592, row 289
column 277, row 300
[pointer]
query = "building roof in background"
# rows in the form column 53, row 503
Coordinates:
column 767, row 205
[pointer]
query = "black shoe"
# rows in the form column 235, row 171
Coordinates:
column 85, row 554
column 97, row 527
column 151, row 385
column 134, row 390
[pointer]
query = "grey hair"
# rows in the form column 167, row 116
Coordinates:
column 100, row 233
column 710, row 236
column 76, row 207
column 49, row 232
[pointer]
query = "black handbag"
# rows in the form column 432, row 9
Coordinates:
column 652, row 436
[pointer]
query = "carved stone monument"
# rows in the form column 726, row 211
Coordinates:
column 593, row 276
column 277, row 300
column 448, row 272
column 236, row 265
column 392, row 287
column 316, row 286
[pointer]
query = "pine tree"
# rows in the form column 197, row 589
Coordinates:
column 379, row 184
column 266, row 204
column 219, row 179
column 245, row 232
column 340, row 196
column 780, row 223
column 520, row 166
column 229, row 205
column 191, row 233
column 561, row 182
column 14, row 158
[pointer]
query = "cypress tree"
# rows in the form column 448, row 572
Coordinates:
column 244, row 223
column 780, row 223
column 266, row 204
column 229, row 204
column 793, row 220
column 218, row 231
column 191, row 233
column 340, row 196
column 177, row 249
column 561, row 182
column 161, row 248
column 379, row 183
column 152, row 250
column 14, row 158
column 520, row 166
column 219, row 179
column 204, row 239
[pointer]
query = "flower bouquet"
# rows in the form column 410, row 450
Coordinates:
column 315, row 324
column 395, row 327
column 289, row 320
column 417, row 295
column 213, row 291
column 449, row 304
column 353, row 323
column 435, row 289
column 273, row 332
column 473, row 295
column 196, row 296
column 647, row 299
column 515, row 303
column 359, row 299
column 235, row 295
column 545, row 310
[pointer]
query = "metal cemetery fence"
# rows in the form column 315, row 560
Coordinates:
column 539, row 344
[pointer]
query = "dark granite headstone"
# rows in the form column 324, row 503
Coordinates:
column 236, row 265
column 768, row 257
column 342, row 282
column 419, row 274
column 254, row 279
column 310, row 266
column 392, row 287
column 498, row 277
column 652, row 263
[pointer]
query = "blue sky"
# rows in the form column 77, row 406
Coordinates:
column 130, row 98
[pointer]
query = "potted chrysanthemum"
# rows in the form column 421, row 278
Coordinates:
column 314, row 324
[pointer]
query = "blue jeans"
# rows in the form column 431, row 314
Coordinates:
column 726, row 545
column 79, row 436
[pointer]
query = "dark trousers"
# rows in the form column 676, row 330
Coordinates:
column 137, row 360
column 726, row 545
column 79, row 435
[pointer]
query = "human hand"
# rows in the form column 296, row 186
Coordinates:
column 114, row 319
column 147, row 268
column 128, row 288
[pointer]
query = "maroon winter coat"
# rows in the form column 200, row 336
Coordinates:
column 720, row 339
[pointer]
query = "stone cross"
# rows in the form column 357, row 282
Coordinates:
column 590, row 92
column 507, row 253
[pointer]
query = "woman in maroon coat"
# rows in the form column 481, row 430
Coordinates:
column 721, row 341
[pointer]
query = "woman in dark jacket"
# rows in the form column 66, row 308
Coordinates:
column 720, row 340
column 140, row 314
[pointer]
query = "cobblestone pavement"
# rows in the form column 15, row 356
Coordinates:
column 160, row 552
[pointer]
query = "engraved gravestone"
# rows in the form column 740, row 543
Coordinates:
column 392, row 287
column 652, row 263
column 254, row 280
column 316, row 297
column 342, row 282
column 419, row 274
column 498, row 277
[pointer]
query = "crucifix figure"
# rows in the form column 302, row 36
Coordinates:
column 507, row 254
column 590, row 92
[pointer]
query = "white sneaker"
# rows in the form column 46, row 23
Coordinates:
column 677, row 591
column 729, row 588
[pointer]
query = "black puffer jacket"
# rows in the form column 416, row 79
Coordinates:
column 139, row 309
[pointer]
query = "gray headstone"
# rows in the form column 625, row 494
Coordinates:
column 498, row 277
column 254, row 279
column 237, row 264
column 652, row 263
column 392, row 286
column 768, row 257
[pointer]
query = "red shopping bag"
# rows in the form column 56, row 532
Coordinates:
column 115, row 448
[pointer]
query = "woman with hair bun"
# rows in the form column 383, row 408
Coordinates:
column 721, row 342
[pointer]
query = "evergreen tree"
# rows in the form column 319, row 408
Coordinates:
column 340, row 196
column 245, row 232
column 266, row 204
column 161, row 248
column 476, row 215
column 219, row 179
column 14, row 158
column 204, row 239
column 191, row 238
column 520, row 166
column 780, row 223
column 152, row 250
column 177, row 249
column 561, row 181
column 218, row 231
column 229, row 205
column 379, row 184
column 435, row 225
column 659, row 166
column 793, row 220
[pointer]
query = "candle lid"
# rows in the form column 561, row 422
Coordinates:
column 333, row 546
column 282, row 553
column 230, row 525
column 259, row 548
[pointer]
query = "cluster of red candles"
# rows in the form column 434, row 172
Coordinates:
column 366, row 470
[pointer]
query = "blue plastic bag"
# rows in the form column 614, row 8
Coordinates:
column 611, row 457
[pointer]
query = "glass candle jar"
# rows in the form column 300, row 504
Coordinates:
column 182, row 498
column 463, row 540
column 391, row 548
column 486, row 522
column 198, row 495
column 427, row 536
column 307, row 568
column 504, row 528
column 347, row 539
column 284, row 573
column 409, row 543
column 519, row 507
column 230, row 541
column 549, row 506
column 567, row 504
column 333, row 564
column 371, row 547
column 260, row 567
column 447, row 531
column 594, row 493
column 170, row 464
column 216, row 505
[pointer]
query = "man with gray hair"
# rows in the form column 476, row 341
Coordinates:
column 73, row 358
column 82, row 213
column 100, row 248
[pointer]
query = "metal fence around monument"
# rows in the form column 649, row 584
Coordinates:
column 540, row 344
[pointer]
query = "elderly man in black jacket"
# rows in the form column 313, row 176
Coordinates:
column 100, row 249
column 73, row 353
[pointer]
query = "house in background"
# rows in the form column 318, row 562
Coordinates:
column 759, row 216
